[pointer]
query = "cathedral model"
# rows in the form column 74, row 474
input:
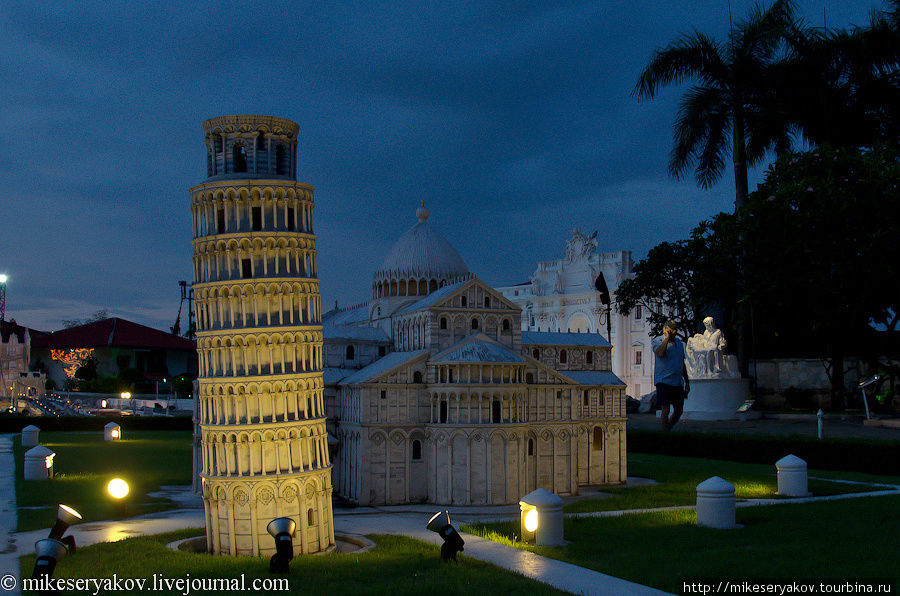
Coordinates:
column 435, row 394
column 261, row 413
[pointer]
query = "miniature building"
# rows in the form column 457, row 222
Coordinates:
column 259, row 340
column 437, row 395
column 562, row 296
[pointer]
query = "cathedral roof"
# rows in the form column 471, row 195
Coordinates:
column 434, row 297
column 552, row 338
column 422, row 253
column 382, row 366
column 354, row 332
column 592, row 377
column 478, row 349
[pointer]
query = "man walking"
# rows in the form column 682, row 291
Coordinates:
column 670, row 374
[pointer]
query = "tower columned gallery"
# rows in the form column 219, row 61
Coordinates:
column 264, row 449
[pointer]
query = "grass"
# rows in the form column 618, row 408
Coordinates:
column 678, row 478
column 853, row 538
column 396, row 566
column 85, row 463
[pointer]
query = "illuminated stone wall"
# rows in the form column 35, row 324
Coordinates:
column 264, row 451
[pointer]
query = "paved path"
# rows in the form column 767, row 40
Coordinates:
column 9, row 556
column 835, row 426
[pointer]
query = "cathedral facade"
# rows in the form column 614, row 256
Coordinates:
column 563, row 296
column 434, row 392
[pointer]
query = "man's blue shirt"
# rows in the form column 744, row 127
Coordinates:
column 668, row 369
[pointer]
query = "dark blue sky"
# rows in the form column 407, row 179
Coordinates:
column 514, row 121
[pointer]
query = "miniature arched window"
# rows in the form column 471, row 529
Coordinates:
column 529, row 378
column 351, row 352
column 239, row 157
column 417, row 377
column 443, row 322
column 589, row 357
column 463, row 301
column 443, row 412
column 563, row 357
column 530, row 446
column 474, row 323
column 495, row 411
column 536, row 354
column 487, row 301
column 310, row 517
column 416, row 450
column 261, row 141
column 587, row 397
column 597, row 443
column 450, row 375
column 279, row 158
column 559, row 395
column 217, row 142
column 506, row 324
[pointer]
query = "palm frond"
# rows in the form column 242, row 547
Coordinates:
column 694, row 56
column 702, row 112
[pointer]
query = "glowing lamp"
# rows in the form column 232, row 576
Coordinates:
column 102, row 403
column 117, row 488
column 541, row 518
column 453, row 542
column 125, row 395
column 3, row 278
column 65, row 517
column 48, row 461
column 531, row 520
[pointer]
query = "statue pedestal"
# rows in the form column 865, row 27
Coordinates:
column 715, row 399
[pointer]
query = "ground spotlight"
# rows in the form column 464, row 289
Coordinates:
column 453, row 542
column 118, row 488
column 65, row 517
column 282, row 529
column 47, row 552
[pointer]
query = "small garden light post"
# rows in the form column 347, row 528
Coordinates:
column 453, row 542
column 282, row 530
column 112, row 432
column 541, row 518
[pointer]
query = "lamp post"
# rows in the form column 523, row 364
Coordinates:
column 3, row 279
column 127, row 395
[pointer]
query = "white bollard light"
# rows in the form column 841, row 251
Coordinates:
column 30, row 436
column 38, row 463
column 792, row 477
column 542, row 518
column 112, row 432
column 715, row 504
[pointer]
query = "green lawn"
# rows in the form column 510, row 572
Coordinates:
column 853, row 538
column 85, row 463
column 678, row 478
column 396, row 566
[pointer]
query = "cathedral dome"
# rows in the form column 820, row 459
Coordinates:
column 420, row 262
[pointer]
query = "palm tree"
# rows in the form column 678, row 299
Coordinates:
column 842, row 87
column 732, row 94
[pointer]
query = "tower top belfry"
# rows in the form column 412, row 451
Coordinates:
column 246, row 147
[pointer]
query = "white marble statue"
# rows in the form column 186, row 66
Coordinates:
column 705, row 357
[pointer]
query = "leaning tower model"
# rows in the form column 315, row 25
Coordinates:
column 259, row 339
